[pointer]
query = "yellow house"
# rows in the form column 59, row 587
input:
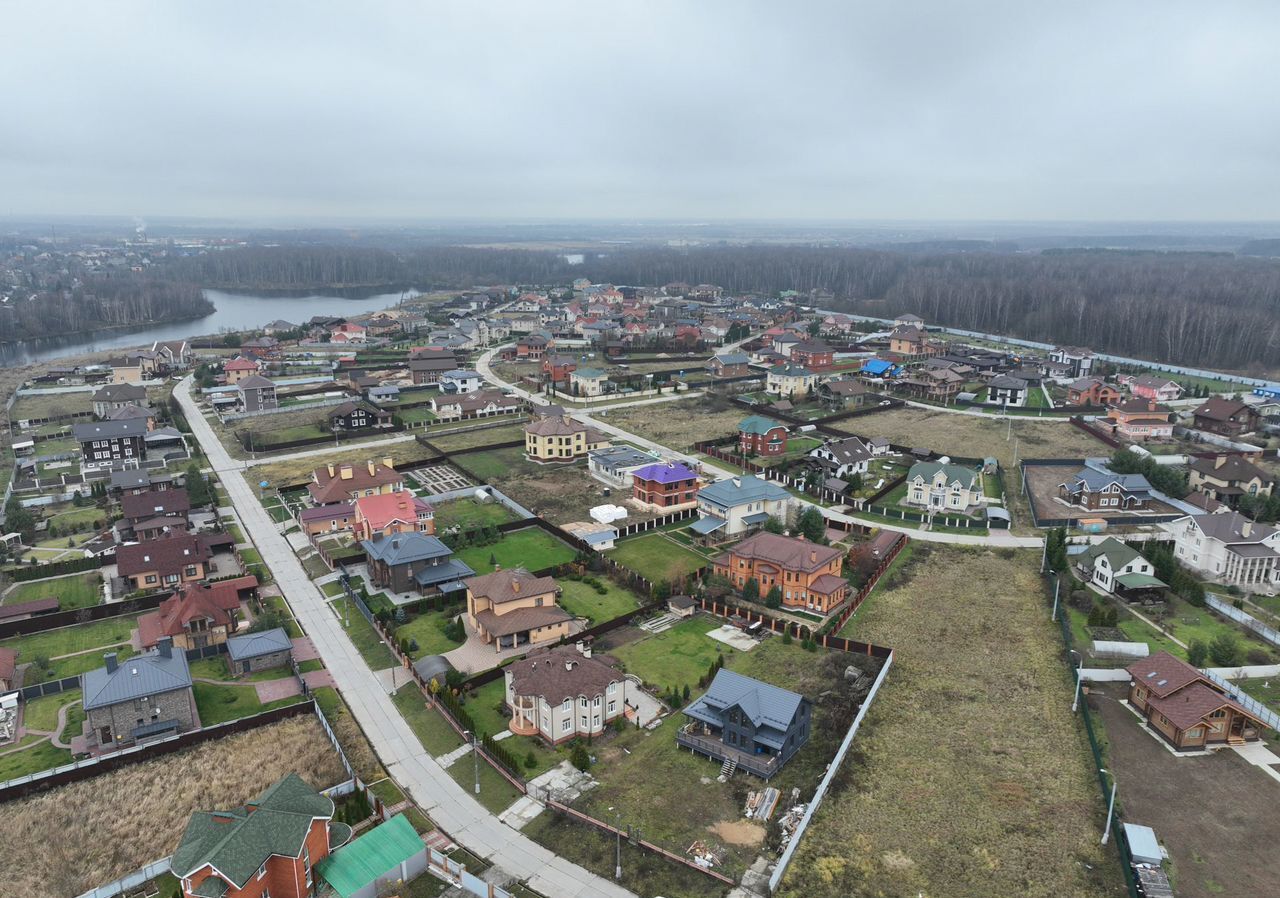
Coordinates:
column 558, row 437
column 790, row 380
column 511, row 609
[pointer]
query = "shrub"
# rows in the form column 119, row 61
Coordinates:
column 1257, row 656
column 1197, row 652
column 1225, row 650
column 531, row 760
column 774, row 598
column 579, row 758
column 751, row 590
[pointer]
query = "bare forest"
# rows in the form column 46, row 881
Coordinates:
column 98, row 303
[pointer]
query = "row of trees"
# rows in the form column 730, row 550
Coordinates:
column 102, row 302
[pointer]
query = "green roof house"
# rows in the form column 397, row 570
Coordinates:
column 1116, row 567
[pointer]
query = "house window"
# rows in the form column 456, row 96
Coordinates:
column 151, row 578
column 262, row 871
column 566, row 725
column 567, row 705
column 613, row 706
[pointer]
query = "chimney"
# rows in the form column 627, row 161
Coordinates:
column 112, row 662
column 813, row 555
column 1246, row 529
column 164, row 645
column 388, row 463
column 345, row 472
column 372, row 469
column 331, row 469
column 1219, row 461
column 496, row 568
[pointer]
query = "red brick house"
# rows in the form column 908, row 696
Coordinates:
column 557, row 368
column 1187, row 708
column 758, row 435
column 668, row 485
column 160, row 563
column 813, row 354
column 809, row 576
column 1092, row 391
column 531, row 348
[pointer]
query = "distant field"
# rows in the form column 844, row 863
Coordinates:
column 50, row 405
column 280, row 473
column 679, row 424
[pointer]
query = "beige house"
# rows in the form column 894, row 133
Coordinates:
column 510, row 609
column 790, row 381
column 559, row 437
column 940, row 486
column 1228, row 477
column 562, row 694
column 588, row 381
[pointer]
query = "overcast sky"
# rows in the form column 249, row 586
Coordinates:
column 689, row 109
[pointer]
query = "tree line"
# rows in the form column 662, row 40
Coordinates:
column 101, row 302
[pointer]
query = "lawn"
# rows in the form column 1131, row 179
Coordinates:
column 42, row 713
column 40, row 756
column 216, row 669
column 532, row 549
column 1188, row 623
column 677, row 657
column 582, row 600
column 656, row 557
column 50, row 405
column 218, row 704
column 492, row 465
column 435, row 734
column 367, row 642
column 426, row 629
column 496, row 793
column 939, row 753
column 103, row 634
column 72, row 591
column 69, row 515
column 478, row 436
column 485, row 706
column 470, row 514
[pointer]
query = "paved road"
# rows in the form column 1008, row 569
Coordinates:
column 451, row 806
column 1002, row 538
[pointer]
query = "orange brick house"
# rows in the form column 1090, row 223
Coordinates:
column 809, row 575
column 1187, row 708
column 1140, row 419
column 509, row 609
column 1092, row 391
column 389, row 513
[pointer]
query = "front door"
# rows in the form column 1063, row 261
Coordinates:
column 104, row 736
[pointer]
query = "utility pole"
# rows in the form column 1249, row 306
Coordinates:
column 1111, row 805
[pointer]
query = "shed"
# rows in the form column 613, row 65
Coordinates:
column 1143, row 845
column 385, row 855
column 258, row 651
column 433, row 667
column 998, row 517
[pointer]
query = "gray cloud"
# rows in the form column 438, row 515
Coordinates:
column 660, row 109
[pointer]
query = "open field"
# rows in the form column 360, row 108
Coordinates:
column 530, row 548
column 479, row 436
column 657, row 557
column 970, row 776
column 133, row 815
column 72, row 591
column 298, row 470
column 1212, row 852
column 679, row 424
column 50, row 405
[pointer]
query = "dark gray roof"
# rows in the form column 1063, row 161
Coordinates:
column 1096, row 480
column 1229, row 528
column 435, row 574
column 763, row 703
column 429, row 666
column 120, row 393
column 105, row 430
column 251, row 645
column 402, row 548
column 136, row 677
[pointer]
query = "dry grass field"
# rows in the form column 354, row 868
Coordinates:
column 970, row 777
column 72, row 838
column 298, row 470
column 679, row 424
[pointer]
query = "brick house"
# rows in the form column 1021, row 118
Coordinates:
column 729, row 364
column 163, row 563
column 1140, row 419
column 238, row 369
column 809, row 575
column 758, row 435
column 426, row 366
column 1227, row 417
column 267, row 849
column 1157, row 389
column 557, row 368
column 813, row 354
column 560, row 438
column 145, row 697
column 414, row 562
column 665, row 486
column 264, row 650
column 531, row 348
column 197, row 614
column 388, row 513
column 347, row 482
column 336, row 517
column 1092, row 391
column 1186, row 708
column 510, row 609
column 561, row 694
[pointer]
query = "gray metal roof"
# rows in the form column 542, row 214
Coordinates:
column 764, row 704
column 105, row 430
column 136, row 677
column 402, row 548
column 436, row 574
column 251, row 645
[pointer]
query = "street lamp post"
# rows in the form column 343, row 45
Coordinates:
column 1057, row 584
column 475, row 757
column 1111, row 805
column 1075, row 702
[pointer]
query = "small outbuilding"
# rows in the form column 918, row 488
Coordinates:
column 258, row 651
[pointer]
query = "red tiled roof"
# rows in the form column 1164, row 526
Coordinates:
column 1162, row 674
column 386, row 508
column 215, row 601
column 787, row 552
column 240, row 364
column 1191, row 704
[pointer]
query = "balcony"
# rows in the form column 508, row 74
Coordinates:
column 763, row 766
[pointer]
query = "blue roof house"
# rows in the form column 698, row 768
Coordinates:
column 731, row 508
column 413, row 562
column 746, row 724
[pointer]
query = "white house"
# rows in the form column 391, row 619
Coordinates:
column 843, row 457
column 790, row 381
column 562, row 694
column 1006, row 391
column 738, row 505
column 588, row 381
column 460, row 381
column 1112, row 565
column 942, row 486
column 1229, row 548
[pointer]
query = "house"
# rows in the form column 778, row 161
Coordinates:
column 197, row 614
column 557, row 368
column 382, row 393
column 483, row 404
column 1104, row 491
column 810, row 576
column 1077, row 361
column 513, row 608
column 278, row 327
column 148, row 696
column 1157, row 389
column 336, row 517
column 615, row 464
column 161, row 563
column 264, row 650
column 1140, row 419
column 790, row 381
column 598, row 536
column 758, row 435
column 133, row 412
column 414, row 562
column 561, row 694
column 108, row 444
column 879, row 369
column 531, row 348
column 1228, row 548
column 1116, row 567
column 238, row 369
column 1189, row 710
column 132, row 481
column 1226, row 417
column 937, row 384
column 460, row 380
column 908, row 320
column 588, row 382
column 733, row 507
column 347, row 482
column 1092, row 391
column 844, row 392
column 748, row 724
column 262, row 347
column 671, row 485
column 256, row 394
column 843, row 457
column 1228, row 477
column 114, row 396
column 269, row 848
column 560, row 438
column 909, row 341
column 356, row 416
column 1006, row 391
column 941, row 486
column 348, row 332
column 813, row 354
column 387, row 513
column 146, row 515
column 381, row 325
column 729, row 364
column 174, row 354
column 426, row 366
column 130, row 369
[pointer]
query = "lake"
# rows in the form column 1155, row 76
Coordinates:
column 232, row 312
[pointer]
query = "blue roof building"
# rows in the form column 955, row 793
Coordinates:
column 734, row 507
column 746, row 723
column 408, row 562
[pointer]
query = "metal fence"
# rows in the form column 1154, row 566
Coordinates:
column 130, row 880
column 1226, row 609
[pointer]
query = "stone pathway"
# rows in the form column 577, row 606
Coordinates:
column 448, row 760
column 304, row 650
column 274, row 690
column 1257, row 754
column 317, row 678
column 521, row 812
column 59, row 738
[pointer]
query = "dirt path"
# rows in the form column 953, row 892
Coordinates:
column 58, row 737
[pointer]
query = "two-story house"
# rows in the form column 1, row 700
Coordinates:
column 843, row 457
column 348, row 482
column 427, row 366
column 197, row 614
column 111, row 444
column 414, row 562
column 1228, row 477
column 256, row 394
column 557, row 368
column 1006, row 391
column 1104, row 491
column 1226, row 417
column 144, row 697
column 1157, row 389
column 941, row 486
column 790, row 381
column 736, row 506
column 513, row 608
column 1092, row 391
column 588, row 382
column 1228, row 548
column 560, row 438
column 615, row 464
column 746, row 724
column 810, row 576
column 1140, row 419
column 162, row 563
column 815, row 355
column 758, row 435
column 1187, row 709
column 114, row 396
column 384, row 514
column 1116, row 567
column 460, row 380
column 665, row 486
column 1077, row 360
column 561, row 694
column 729, row 364
column 149, row 515
column 238, row 369
column 357, row 416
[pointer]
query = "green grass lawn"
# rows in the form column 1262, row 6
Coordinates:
column 72, row 591
column 425, row 628
column 42, row 713
column 78, row 638
column 654, row 556
column 69, row 515
column 367, row 642
column 1188, row 623
column 416, row 415
column 677, row 657
column 496, row 793
column 486, row 709
column 218, row 704
column 277, row 603
column 236, row 533
column 250, row 556
column 435, row 734
column 216, row 669
column 32, row 760
column 333, row 589
column 1264, row 689
column 469, row 514
column 388, row 791
column 489, row 466
column 315, row 567
column 532, row 549
column 583, row 601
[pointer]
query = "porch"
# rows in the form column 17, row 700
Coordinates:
column 697, row 738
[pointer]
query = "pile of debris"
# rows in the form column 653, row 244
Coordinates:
column 703, row 855
column 760, row 805
column 789, row 821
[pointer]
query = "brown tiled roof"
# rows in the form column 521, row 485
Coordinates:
column 8, row 663
column 508, row 586
column 786, row 551
column 562, row 672
column 1218, row 409
column 325, row 488
column 522, row 619
column 155, row 503
column 167, row 556
column 828, row 584
column 1191, row 704
column 555, row 426
column 1233, row 467
column 1162, row 674
column 214, row 601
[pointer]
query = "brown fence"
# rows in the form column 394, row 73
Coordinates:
column 1080, row 424
column 71, row 616
column 837, row 623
